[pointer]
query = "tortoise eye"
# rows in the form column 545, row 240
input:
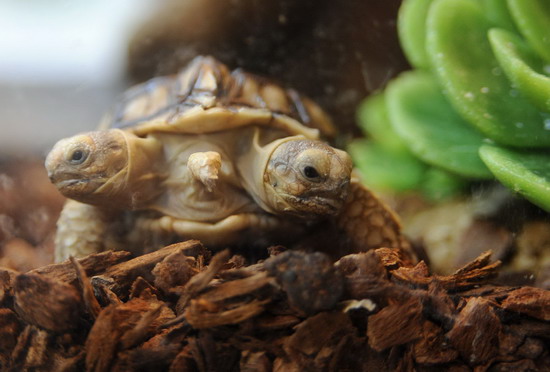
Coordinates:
column 78, row 156
column 311, row 172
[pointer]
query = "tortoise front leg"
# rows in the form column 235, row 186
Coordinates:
column 204, row 167
column 367, row 223
column 81, row 230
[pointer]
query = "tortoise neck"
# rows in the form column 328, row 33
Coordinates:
column 252, row 165
column 140, row 181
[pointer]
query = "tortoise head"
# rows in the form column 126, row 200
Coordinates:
column 100, row 167
column 307, row 178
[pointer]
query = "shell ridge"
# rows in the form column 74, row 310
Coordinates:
column 207, row 90
column 299, row 107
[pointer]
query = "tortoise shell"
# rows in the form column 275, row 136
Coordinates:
column 207, row 97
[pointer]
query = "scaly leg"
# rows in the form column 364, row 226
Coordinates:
column 368, row 223
column 81, row 230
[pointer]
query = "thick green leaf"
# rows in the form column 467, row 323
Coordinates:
column 435, row 133
column 411, row 26
column 527, row 173
column 533, row 20
column 463, row 61
column 372, row 116
column 498, row 13
column 385, row 170
column 522, row 67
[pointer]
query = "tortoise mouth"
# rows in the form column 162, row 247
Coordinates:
column 71, row 182
column 314, row 205
column 73, row 186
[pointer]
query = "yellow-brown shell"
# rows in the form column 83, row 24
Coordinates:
column 207, row 97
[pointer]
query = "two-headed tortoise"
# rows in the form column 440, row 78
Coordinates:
column 217, row 155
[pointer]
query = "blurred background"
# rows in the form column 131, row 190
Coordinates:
column 61, row 64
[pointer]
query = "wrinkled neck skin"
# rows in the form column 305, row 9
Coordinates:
column 140, row 182
column 252, row 165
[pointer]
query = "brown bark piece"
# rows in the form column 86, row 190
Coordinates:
column 475, row 273
column 216, row 356
column 395, row 324
column 286, row 365
column 534, row 302
column 47, row 303
column 174, row 270
column 90, row 301
column 31, row 351
column 198, row 282
column 432, row 347
column 10, row 328
column 205, row 314
column 143, row 359
column 363, row 273
column 101, row 344
column 315, row 340
column 418, row 274
column 439, row 306
column 532, row 348
column 104, row 293
column 390, row 258
column 121, row 325
column 183, row 362
column 142, row 288
column 255, row 362
column 138, row 333
column 121, row 276
column 239, row 287
column 93, row 264
column 531, row 327
column 278, row 322
column 311, row 281
column 155, row 354
column 524, row 365
column 40, row 350
column 255, row 317
column 476, row 332
column 7, row 278
column 475, row 277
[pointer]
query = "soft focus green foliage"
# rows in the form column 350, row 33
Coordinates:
column 459, row 49
column 435, row 133
column 524, row 172
column 533, row 20
column 411, row 26
column 523, row 67
column 384, row 169
column 477, row 107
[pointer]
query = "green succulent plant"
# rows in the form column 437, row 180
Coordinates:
column 476, row 105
